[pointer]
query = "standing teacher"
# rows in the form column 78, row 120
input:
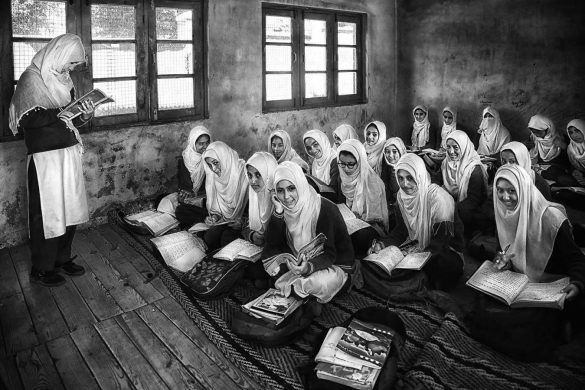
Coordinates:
column 56, row 189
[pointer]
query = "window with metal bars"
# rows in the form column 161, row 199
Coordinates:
column 147, row 54
column 312, row 58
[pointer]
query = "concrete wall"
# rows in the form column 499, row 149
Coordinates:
column 125, row 164
column 521, row 56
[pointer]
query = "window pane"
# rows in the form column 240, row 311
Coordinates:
column 124, row 95
column 315, row 31
column 174, row 58
column 346, row 33
column 278, row 58
column 278, row 29
column 113, row 59
column 346, row 58
column 36, row 18
column 347, row 83
column 173, row 23
column 315, row 85
column 112, row 22
column 278, row 87
column 175, row 93
column 315, row 58
column 23, row 53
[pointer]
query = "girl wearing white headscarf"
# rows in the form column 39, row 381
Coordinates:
column 548, row 147
column 284, row 152
column 362, row 191
column 323, row 167
column 466, row 179
column 260, row 203
column 191, row 174
column 342, row 133
column 226, row 188
column 294, row 226
column 426, row 214
column 375, row 145
column 516, row 153
column 421, row 130
column 493, row 133
column 448, row 128
column 576, row 149
column 394, row 148
column 57, row 200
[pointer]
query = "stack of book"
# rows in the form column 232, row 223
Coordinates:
column 354, row 356
column 272, row 306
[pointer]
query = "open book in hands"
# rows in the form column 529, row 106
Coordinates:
column 202, row 226
column 516, row 290
column 73, row 109
column 352, row 222
column 392, row 257
column 313, row 249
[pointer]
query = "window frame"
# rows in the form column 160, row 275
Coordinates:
column 332, row 17
column 78, row 21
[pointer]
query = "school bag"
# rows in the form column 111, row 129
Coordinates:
column 213, row 278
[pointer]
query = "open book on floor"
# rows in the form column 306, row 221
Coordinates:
column 272, row 306
column 180, row 250
column 313, row 249
column 73, row 109
column 319, row 185
column 239, row 249
column 202, row 226
column 156, row 222
column 352, row 222
column 392, row 257
column 516, row 290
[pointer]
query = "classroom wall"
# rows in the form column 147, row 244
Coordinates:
column 136, row 162
column 521, row 56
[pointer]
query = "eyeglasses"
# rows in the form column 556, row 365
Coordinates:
column 349, row 165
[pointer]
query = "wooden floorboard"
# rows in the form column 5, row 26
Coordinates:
column 72, row 305
column 69, row 363
column 37, row 370
column 9, row 375
column 9, row 284
column 44, row 311
column 17, row 325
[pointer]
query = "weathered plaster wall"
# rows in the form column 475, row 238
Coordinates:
column 122, row 165
column 521, row 56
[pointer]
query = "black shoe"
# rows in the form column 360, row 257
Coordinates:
column 72, row 269
column 46, row 278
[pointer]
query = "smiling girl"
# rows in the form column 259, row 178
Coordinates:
column 375, row 137
column 323, row 158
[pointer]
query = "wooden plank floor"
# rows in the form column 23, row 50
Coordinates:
column 113, row 328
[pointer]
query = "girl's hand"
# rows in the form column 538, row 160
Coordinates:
column 571, row 290
column 376, row 246
column 212, row 219
column 301, row 269
column 257, row 238
column 87, row 109
column 278, row 207
column 503, row 262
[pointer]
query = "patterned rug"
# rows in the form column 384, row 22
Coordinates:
column 438, row 353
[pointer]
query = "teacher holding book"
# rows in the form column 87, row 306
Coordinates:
column 56, row 189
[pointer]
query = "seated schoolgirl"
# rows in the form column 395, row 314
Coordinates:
column 422, row 136
column 362, row 191
column 394, row 148
column 548, row 151
column 517, row 153
column 323, row 158
column 576, row 150
column 226, row 186
column 191, row 175
column 280, row 146
column 493, row 134
column 426, row 213
column 449, row 125
column 465, row 178
column 300, row 214
column 375, row 137
column 260, row 169
column 343, row 132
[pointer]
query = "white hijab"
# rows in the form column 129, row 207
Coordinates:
column 344, row 132
column 522, row 156
column 193, row 160
column 398, row 143
column 375, row 152
column 456, row 174
column 493, row 133
column 534, row 219
column 289, row 153
column 420, row 130
column 576, row 151
column 548, row 147
column 301, row 220
column 363, row 190
column 430, row 204
column 321, row 167
column 226, row 194
column 260, row 203
column 447, row 129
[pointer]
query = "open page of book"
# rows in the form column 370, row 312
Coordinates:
column 180, row 250
column 329, row 353
column 360, row 379
column 503, row 285
column 352, row 222
column 73, row 109
column 139, row 217
column 346, row 213
column 160, row 223
column 387, row 258
column 415, row 260
column 542, row 294
column 275, row 303
column 366, row 341
column 313, row 248
column 239, row 249
column 202, row 226
column 272, row 264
